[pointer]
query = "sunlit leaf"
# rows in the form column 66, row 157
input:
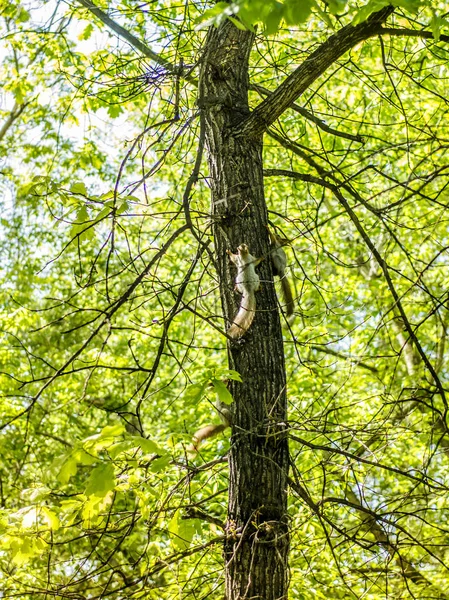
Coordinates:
column 182, row 531
column 68, row 469
column 50, row 518
column 79, row 188
column 160, row 464
column 222, row 391
column 101, row 480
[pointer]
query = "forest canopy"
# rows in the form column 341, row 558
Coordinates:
column 143, row 146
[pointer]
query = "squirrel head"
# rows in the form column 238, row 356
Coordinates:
column 243, row 250
column 276, row 240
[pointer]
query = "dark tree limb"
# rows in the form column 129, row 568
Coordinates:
column 311, row 117
column 15, row 113
column 313, row 67
column 126, row 35
column 134, row 41
column 428, row 35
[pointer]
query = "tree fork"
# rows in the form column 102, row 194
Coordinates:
column 257, row 541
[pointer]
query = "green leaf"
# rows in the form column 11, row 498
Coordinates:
column 238, row 23
column 173, row 525
column 159, row 464
column 79, row 228
column 147, row 446
column 123, row 208
column 230, row 374
column 19, row 93
column 92, row 509
column 101, row 480
column 70, row 510
column 215, row 15
column 35, row 494
column 365, row 11
column 120, row 447
column 86, row 33
column 248, row 16
column 114, row 110
column 78, row 188
column 71, row 505
column 104, row 212
column 83, row 458
column 68, row 469
column 105, row 438
column 23, row 15
column 297, row 11
column 222, row 391
column 111, row 431
column 82, row 215
column 411, row 6
column 256, row 11
column 23, row 549
column 108, row 196
column 273, row 19
column 337, row 6
column 50, row 518
column 194, row 393
column 182, row 531
column 435, row 25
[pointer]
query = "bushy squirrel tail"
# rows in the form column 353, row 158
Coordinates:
column 244, row 317
column 205, row 433
column 288, row 296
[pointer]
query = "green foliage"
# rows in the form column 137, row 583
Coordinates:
column 112, row 342
column 250, row 12
column 183, row 530
column 211, row 378
column 272, row 13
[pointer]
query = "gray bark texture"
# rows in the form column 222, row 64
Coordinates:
column 257, row 540
column 257, row 537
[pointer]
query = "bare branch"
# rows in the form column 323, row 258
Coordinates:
column 311, row 117
column 428, row 35
column 15, row 113
column 133, row 40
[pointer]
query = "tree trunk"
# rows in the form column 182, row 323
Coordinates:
column 257, row 541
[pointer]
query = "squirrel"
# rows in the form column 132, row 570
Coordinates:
column 247, row 282
column 279, row 260
column 209, row 431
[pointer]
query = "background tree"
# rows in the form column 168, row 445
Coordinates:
column 119, row 123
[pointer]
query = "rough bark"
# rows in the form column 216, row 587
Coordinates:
column 257, row 541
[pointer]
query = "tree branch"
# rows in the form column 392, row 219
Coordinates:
column 428, row 35
column 15, row 113
column 353, row 359
column 125, row 34
column 134, row 41
column 336, row 190
column 311, row 117
column 313, row 67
